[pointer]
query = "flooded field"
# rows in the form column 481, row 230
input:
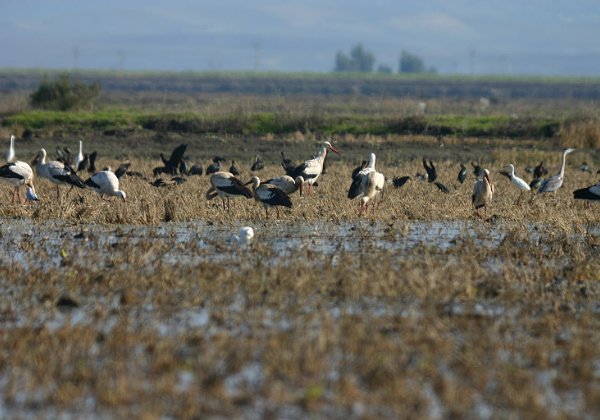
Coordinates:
column 356, row 318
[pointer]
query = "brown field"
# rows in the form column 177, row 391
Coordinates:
column 417, row 309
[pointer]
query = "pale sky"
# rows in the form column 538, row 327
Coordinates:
column 559, row 37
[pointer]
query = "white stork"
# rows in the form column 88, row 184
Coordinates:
column 483, row 191
column 226, row 185
column 286, row 183
column 56, row 172
column 367, row 184
column 311, row 169
column 17, row 173
column 105, row 183
column 553, row 183
column 269, row 195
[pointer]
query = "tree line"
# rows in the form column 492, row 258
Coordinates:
column 363, row 61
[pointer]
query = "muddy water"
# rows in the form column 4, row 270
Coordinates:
column 45, row 245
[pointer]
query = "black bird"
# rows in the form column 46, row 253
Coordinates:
column 431, row 172
column 215, row 166
column 196, row 169
column 183, row 168
column 92, row 168
column 258, row 164
column 585, row 168
column 588, row 193
column 234, row 169
column 84, row 164
column 122, row 169
column 64, row 155
column 159, row 182
column 462, row 174
column 539, row 171
column 359, row 168
column 288, row 165
column 442, row 187
column 400, row 181
column 536, row 183
column 172, row 164
column 477, row 169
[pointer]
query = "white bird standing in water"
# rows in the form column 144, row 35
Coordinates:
column 553, row 183
column 245, row 235
column 10, row 154
column 483, row 192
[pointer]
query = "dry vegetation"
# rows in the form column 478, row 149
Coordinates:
column 173, row 319
column 416, row 310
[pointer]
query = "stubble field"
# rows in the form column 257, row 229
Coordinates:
column 417, row 309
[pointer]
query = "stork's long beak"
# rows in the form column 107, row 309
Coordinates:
column 334, row 150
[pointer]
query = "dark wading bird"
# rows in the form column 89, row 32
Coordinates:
column 553, row 183
column 441, row 187
column 483, row 192
column 92, row 167
column 539, row 171
column 588, row 193
column 311, row 169
column 585, row 168
column 183, row 168
column 288, row 165
column 171, row 166
column 196, row 169
column 225, row 185
column 122, row 169
column 359, row 168
column 84, row 164
column 234, row 169
column 462, row 174
column 400, row 181
column 215, row 166
column 258, row 164
column 477, row 170
column 430, row 169
column 16, row 174
column 269, row 196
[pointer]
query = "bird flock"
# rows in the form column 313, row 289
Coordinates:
column 366, row 184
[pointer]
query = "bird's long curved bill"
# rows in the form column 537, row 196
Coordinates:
column 334, row 150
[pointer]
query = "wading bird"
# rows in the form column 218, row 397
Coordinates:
column 431, row 171
column 553, row 183
column 56, row 172
column 269, row 196
column 196, row 169
column 215, row 166
column 462, row 174
column 539, row 171
column 92, row 167
column 368, row 183
column 105, row 183
column 311, row 169
column 225, row 185
column 258, row 164
column 79, row 158
column 515, row 180
column 288, row 165
column 235, row 170
column 286, row 183
column 17, row 173
column 588, row 193
column 477, row 169
column 483, row 191
column 10, row 154
column 400, row 181
column 171, row 165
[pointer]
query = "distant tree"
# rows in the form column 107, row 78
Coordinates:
column 412, row 63
column 360, row 60
column 64, row 95
column 384, row 68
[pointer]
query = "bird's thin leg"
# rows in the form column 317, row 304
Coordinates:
column 18, row 195
column 277, row 208
column 228, row 204
column 223, row 198
column 57, row 192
